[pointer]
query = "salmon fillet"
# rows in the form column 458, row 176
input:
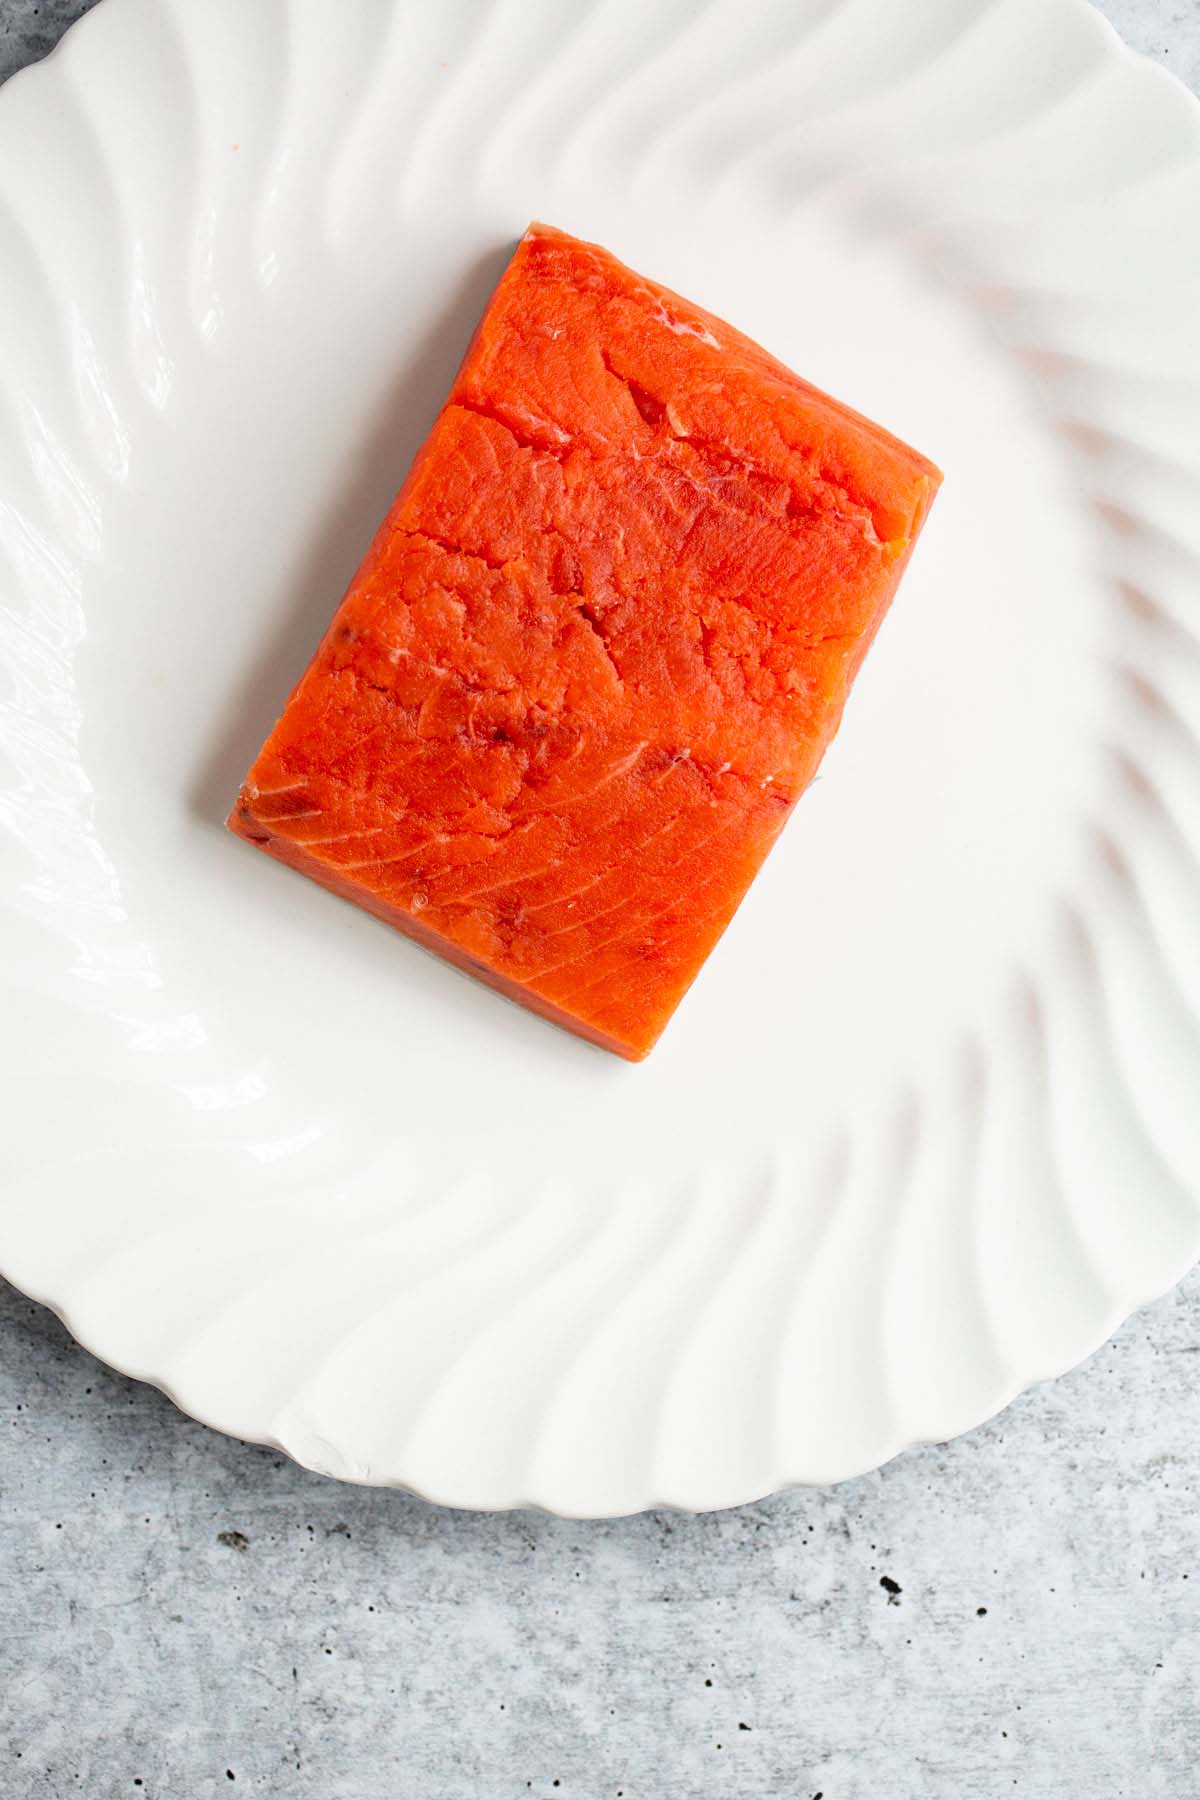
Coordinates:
column 596, row 650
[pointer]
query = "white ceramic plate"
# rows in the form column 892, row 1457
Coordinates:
column 928, row 1125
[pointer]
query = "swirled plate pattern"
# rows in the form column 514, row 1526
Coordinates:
column 928, row 1126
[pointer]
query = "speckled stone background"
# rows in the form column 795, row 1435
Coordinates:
column 184, row 1617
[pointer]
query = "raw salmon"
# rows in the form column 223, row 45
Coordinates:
column 596, row 650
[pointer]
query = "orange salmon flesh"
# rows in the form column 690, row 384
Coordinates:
column 597, row 649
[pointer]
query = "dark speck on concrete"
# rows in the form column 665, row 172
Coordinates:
column 892, row 1589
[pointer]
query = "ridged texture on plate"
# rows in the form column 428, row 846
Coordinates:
column 794, row 1314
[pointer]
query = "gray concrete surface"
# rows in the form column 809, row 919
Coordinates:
column 184, row 1617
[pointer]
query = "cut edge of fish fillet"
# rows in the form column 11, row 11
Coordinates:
column 258, row 832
